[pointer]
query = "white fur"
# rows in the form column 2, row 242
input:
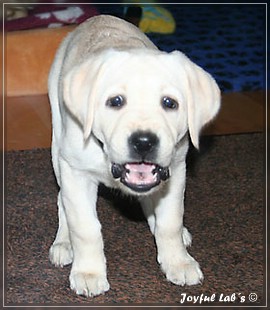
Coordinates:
column 80, row 82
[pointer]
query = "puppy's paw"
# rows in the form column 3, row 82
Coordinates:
column 187, row 238
column 184, row 272
column 88, row 284
column 61, row 254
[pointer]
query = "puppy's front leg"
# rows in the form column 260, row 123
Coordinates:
column 79, row 195
column 61, row 253
column 179, row 267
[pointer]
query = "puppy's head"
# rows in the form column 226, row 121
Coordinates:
column 139, row 105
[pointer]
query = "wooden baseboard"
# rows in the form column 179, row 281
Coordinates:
column 28, row 119
column 29, row 55
column 240, row 113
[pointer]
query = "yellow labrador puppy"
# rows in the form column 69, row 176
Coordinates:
column 121, row 112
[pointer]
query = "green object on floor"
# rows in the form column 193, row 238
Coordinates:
column 154, row 18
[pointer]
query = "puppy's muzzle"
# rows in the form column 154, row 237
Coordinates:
column 140, row 177
column 144, row 174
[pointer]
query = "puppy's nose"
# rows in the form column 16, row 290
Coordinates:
column 143, row 142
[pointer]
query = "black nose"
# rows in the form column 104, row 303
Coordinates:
column 143, row 143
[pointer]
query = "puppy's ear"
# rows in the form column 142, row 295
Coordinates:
column 79, row 89
column 203, row 97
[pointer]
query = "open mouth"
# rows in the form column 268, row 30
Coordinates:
column 140, row 177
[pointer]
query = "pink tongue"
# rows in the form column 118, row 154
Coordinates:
column 140, row 174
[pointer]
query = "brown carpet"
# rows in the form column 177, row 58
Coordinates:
column 224, row 212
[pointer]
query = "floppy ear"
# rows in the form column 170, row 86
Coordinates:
column 203, row 97
column 79, row 88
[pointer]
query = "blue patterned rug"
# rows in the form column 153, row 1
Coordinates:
column 227, row 40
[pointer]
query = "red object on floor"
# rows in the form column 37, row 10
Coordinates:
column 51, row 16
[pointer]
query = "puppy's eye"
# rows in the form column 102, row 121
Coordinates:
column 169, row 103
column 116, row 102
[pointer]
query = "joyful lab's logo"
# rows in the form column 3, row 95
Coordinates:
column 222, row 298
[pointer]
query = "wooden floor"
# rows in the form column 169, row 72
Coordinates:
column 28, row 119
